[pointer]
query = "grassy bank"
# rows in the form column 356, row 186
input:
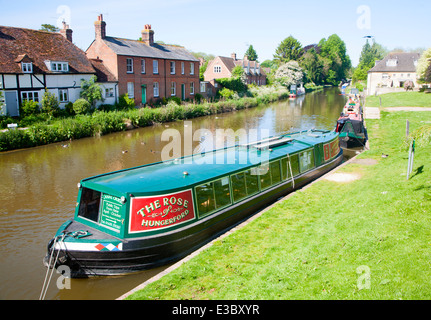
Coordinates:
column 323, row 241
column 100, row 122
column 400, row 99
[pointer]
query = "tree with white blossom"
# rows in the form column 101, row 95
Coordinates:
column 289, row 73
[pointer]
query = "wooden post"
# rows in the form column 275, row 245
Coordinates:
column 407, row 128
column 411, row 157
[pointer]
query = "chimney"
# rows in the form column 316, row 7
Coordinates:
column 233, row 56
column 66, row 31
column 100, row 27
column 148, row 35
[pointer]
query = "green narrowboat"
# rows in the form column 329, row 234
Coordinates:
column 143, row 217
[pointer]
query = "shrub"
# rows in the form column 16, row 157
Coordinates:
column 50, row 104
column 69, row 108
column 226, row 93
column 81, row 106
column 29, row 107
column 124, row 102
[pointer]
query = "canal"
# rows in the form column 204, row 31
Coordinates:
column 38, row 187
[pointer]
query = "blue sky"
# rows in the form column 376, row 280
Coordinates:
column 221, row 27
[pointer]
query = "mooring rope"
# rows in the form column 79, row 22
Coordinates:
column 45, row 282
column 291, row 174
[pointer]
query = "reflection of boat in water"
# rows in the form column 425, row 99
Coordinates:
column 143, row 217
column 350, row 124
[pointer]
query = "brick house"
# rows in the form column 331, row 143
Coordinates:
column 221, row 67
column 390, row 73
column 33, row 60
column 145, row 70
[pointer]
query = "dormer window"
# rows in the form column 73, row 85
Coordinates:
column 57, row 66
column 27, row 67
column 392, row 63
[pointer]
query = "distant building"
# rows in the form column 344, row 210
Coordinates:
column 391, row 73
column 221, row 67
column 32, row 60
column 145, row 71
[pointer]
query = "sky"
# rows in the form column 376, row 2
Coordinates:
column 222, row 27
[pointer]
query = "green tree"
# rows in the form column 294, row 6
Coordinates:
column 288, row 49
column 369, row 55
column 50, row 104
column 423, row 64
column 48, row 27
column 313, row 66
column 251, row 54
column 338, row 64
column 91, row 91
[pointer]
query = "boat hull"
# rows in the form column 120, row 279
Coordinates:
column 150, row 252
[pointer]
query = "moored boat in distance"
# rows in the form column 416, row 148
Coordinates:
column 350, row 124
column 143, row 217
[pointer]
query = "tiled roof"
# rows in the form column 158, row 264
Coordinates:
column 138, row 48
column 102, row 73
column 403, row 62
column 17, row 44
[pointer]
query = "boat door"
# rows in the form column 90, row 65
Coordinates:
column 183, row 91
column 11, row 100
column 144, row 93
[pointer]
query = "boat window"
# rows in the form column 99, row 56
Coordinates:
column 213, row 195
column 270, row 174
column 284, row 169
column 89, row 204
column 239, row 190
column 205, row 198
column 251, row 183
column 294, row 163
column 222, row 192
column 306, row 160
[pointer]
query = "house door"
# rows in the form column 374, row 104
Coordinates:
column 11, row 100
column 144, row 93
column 183, row 91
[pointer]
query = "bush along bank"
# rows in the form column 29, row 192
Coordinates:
column 104, row 122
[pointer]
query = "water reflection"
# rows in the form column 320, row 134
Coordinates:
column 38, row 189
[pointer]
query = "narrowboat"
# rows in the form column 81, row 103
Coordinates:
column 351, row 126
column 147, row 216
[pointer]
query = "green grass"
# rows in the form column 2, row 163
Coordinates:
column 400, row 99
column 311, row 245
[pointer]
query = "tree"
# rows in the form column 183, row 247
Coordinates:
column 50, row 104
column 91, row 90
column 313, row 65
column 288, row 49
column 251, row 54
column 334, row 53
column 289, row 73
column 423, row 64
column 369, row 55
column 49, row 27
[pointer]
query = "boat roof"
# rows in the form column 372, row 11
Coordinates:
column 182, row 173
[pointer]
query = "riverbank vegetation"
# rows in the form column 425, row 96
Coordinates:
column 364, row 239
column 44, row 128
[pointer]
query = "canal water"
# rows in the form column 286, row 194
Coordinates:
column 38, row 187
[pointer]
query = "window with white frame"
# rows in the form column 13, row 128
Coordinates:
column 217, row 69
column 142, row 66
column 182, row 67
column 57, row 66
column 173, row 88
column 27, row 67
column 109, row 92
column 130, row 89
column 155, row 66
column 30, row 95
column 129, row 65
column 203, row 87
column 192, row 68
column 192, row 88
column 156, row 89
column 172, row 64
column 63, row 95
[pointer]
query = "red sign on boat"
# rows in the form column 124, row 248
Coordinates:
column 159, row 212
